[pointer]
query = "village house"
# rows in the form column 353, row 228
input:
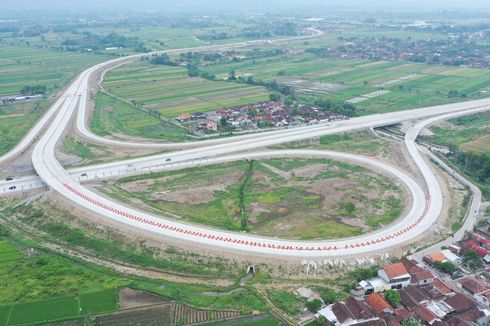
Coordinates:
column 418, row 274
column 378, row 304
column 396, row 275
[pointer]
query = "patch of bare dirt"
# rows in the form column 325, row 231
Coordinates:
column 198, row 195
column 308, row 171
column 131, row 298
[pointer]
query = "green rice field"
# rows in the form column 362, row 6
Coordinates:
column 169, row 90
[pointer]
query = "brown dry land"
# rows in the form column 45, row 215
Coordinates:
column 291, row 198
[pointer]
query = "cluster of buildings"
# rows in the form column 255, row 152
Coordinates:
column 254, row 116
column 424, row 298
column 452, row 51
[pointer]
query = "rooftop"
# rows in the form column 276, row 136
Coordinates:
column 425, row 314
column 377, row 303
column 460, row 302
column 395, row 270
column 441, row 286
column 473, row 285
column 437, row 257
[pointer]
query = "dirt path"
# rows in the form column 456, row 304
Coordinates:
column 277, row 171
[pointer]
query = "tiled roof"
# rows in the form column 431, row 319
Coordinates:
column 458, row 321
column 416, row 293
column 377, row 303
column 358, row 308
column 342, row 312
column 395, row 270
column 472, row 315
column 460, row 302
column 425, row 314
column 402, row 313
column 441, row 286
column 437, row 257
column 418, row 273
column 407, row 300
column 473, row 285
column 372, row 322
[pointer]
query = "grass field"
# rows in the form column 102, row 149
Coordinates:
column 44, row 310
column 98, row 302
column 171, row 92
column 282, row 197
column 20, row 66
column 43, row 287
column 27, row 66
column 261, row 320
column 411, row 85
column 16, row 120
column 113, row 116
column 468, row 133
column 288, row 302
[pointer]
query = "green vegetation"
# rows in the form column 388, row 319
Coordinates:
column 287, row 302
column 28, row 68
column 75, row 147
column 43, row 286
column 393, row 297
column 59, row 230
column 410, row 322
column 446, row 267
column 471, row 257
column 261, row 320
column 313, row 305
column 271, row 197
column 169, row 91
column 357, row 142
column 328, row 295
column 112, row 116
column 99, row 302
column 467, row 138
column 410, row 85
column 44, row 310
column 16, row 120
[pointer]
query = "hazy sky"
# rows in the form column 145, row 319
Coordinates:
column 252, row 5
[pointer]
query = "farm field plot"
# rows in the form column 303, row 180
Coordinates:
column 481, row 144
column 21, row 66
column 411, row 85
column 469, row 140
column 16, row 120
column 461, row 132
column 113, row 116
column 99, row 301
column 306, row 65
column 171, row 92
column 44, row 310
column 280, row 197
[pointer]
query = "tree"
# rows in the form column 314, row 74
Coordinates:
column 192, row 70
column 393, row 298
column 275, row 97
column 446, row 267
column 232, row 75
column 313, row 305
column 328, row 296
column 410, row 322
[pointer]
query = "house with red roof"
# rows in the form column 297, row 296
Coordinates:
column 378, row 304
column 419, row 275
column 396, row 275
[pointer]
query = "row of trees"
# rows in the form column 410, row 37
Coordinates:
column 33, row 90
column 100, row 42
